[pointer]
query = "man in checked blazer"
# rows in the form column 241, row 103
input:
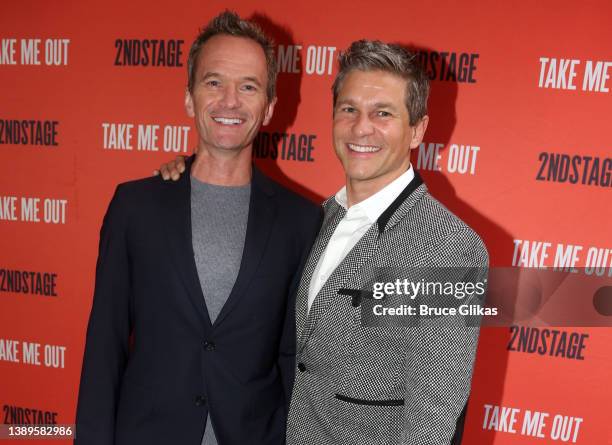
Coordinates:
column 379, row 385
column 359, row 385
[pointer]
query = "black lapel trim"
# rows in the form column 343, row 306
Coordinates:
column 384, row 218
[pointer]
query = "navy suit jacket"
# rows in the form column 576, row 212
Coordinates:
column 154, row 365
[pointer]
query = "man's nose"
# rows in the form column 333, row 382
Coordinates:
column 363, row 125
column 230, row 98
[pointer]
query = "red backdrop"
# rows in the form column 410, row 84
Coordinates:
column 515, row 85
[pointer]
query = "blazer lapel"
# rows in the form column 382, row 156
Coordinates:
column 348, row 267
column 333, row 214
column 176, row 211
column 353, row 262
column 262, row 211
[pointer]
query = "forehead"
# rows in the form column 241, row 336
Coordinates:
column 372, row 86
column 232, row 55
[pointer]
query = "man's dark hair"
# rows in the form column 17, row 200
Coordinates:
column 229, row 23
column 373, row 55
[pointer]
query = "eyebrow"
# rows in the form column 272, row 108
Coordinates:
column 377, row 105
column 210, row 74
column 344, row 102
column 384, row 105
column 253, row 79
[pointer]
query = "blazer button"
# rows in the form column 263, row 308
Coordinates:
column 209, row 345
column 301, row 367
column 200, row 401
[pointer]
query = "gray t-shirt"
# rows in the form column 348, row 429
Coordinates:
column 218, row 228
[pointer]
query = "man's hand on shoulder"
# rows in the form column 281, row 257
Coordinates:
column 172, row 170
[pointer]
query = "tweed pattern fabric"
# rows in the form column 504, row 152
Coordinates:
column 383, row 385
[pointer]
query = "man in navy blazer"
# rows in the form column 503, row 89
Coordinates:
column 157, row 367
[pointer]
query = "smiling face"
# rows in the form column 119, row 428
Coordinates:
column 228, row 101
column 371, row 132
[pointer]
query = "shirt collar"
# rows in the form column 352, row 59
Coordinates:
column 376, row 204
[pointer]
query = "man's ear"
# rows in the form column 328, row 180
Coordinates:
column 269, row 111
column 189, row 103
column 419, row 132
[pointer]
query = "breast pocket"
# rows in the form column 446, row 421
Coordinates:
column 366, row 421
column 369, row 402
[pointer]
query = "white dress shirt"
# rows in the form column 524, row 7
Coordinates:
column 358, row 219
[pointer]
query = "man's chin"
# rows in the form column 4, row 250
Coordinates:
column 359, row 175
column 358, row 170
column 229, row 146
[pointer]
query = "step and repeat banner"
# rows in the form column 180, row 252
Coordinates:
column 518, row 145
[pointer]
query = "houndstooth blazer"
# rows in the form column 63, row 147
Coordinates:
column 383, row 385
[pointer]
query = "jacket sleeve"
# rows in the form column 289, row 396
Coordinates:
column 107, row 340
column 440, row 361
